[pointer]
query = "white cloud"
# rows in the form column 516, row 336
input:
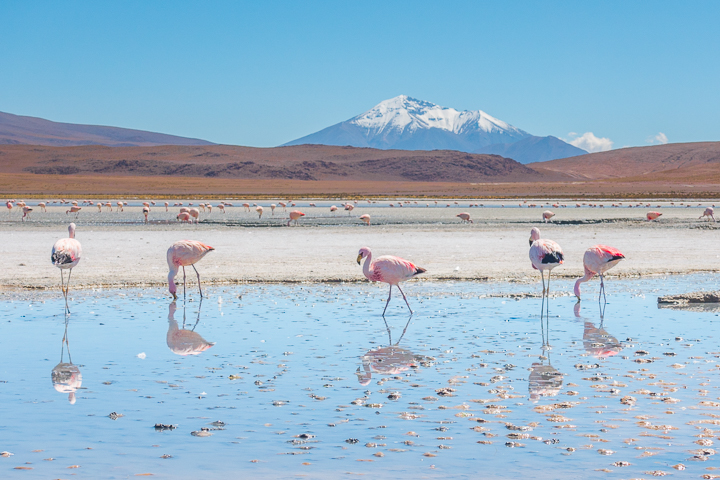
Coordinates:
column 588, row 141
column 660, row 138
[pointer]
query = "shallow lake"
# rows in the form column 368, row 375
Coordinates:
column 309, row 380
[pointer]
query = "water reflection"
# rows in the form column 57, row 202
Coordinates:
column 390, row 360
column 596, row 340
column 181, row 341
column 544, row 379
column 66, row 377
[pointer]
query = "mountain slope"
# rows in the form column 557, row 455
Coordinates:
column 673, row 158
column 409, row 124
column 16, row 129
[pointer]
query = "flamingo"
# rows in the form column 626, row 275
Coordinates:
column 99, row 205
column 332, row 209
column 146, row 210
column 167, row 204
column 209, row 207
column 109, row 205
column 272, row 209
column 388, row 269
column 597, row 260
column 181, row 254
column 66, row 255
column 185, row 210
column 26, row 212
column 464, row 216
column 195, row 213
column 183, row 217
column 222, row 207
column 42, row 205
column 283, row 205
column 349, row 207
column 709, row 213
column 75, row 210
column 247, row 207
column 181, row 341
column 544, row 255
column 259, row 211
column 653, row 216
column 365, row 218
column 547, row 215
column 120, row 207
column 9, row 206
column 295, row 215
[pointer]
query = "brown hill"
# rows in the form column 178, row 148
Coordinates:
column 303, row 162
column 678, row 161
column 21, row 130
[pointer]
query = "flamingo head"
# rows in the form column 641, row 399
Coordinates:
column 364, row 252
column 534, row 235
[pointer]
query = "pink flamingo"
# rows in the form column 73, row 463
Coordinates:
column 272, row 209
column 43, row 206
column 195, row 213
column 167, row 204
column 181, row 341
column 653, row 216
column 708, row 214
column 75, row 210
column 388, row 269
column 547, row 215
column 349, row 207
column 365, row 218
column 146, row 210
column 295, row 215
column 184, row 210
column 26, row 212
column 209, row 207
column 120, row 207
column 332, row 209
column 283, row 205
column 99, row 205
column 544, row 255
column 66, row 255
column 109, row 205
column 464, row 216
column 222, row 208
column 597, row 260
column 182, row 254
column 247, row 207
column 259, row 211
column 9, row 206
column 183, row 217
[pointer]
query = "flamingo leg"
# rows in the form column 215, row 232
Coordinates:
column 405, row 298
column 198, row 277
column 602, row 289
column 184, row 282
column 388, row 301
column 67, row 292
column 542, row 277
column 548, row 287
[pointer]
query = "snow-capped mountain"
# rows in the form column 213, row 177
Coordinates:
column 406, row 123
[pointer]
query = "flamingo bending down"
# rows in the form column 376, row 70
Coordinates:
column 544, row 255
column 146, row 210
column 547, row 215
column 99, row 205
column 283, row 205
column 195, row 213
column 349, row 207
column 365, row 218
column 653, row 216
column 332, row 209
column 120, row 207
column 182, row 254
column 167, row 204
column 42, row 205
column 9, row 206
column 222, row 207
column 75, row 210
column 26, row 212
column 109, row 205
column 183, row 217
column 597, row 260
column 294, row 216
column 388, row 269
column 247, row 207
column 709, row 213
column 464, row 216
column 272, row 209
column 259, row 211
column 65, row 255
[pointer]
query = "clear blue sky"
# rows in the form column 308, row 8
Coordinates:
column 264, row 73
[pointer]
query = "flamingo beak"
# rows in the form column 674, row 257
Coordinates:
column 531, row 241
column 174, row 296
column 359, row 258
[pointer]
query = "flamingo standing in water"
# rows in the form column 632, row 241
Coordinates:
column 222, row 207
column 120, row 207
column 708, row 214
column 184, row 217
column 365, row 218
column 167, row 204
column 26, row 212
column 259, row 211
column 99, row 205
column 65, row 255
column 653, row 216
column 272, row 209
column 182, row 254
column 547, row 215
column 349, row 207
column 9, row 206
column 195, row 213
column 283, row 205
column 75, row 210
column 146, row 210
column 294, row 216
column 43, row 206
column 597, row 260
column 247, row 207
column 464, row 216
column 388, row 269
column 544, row 255
column 332, row 208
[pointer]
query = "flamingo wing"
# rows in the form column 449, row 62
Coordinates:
column 393, row 270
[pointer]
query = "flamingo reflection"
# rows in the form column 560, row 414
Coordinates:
column 597, row 341
column 181, row 341
column 544, row 379
column 390, row 360
column 66, row 377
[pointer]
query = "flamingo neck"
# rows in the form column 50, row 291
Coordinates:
column 171, row 279
column 588, row 276
column 367, row 265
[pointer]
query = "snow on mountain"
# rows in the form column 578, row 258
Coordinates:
column 409, row 124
